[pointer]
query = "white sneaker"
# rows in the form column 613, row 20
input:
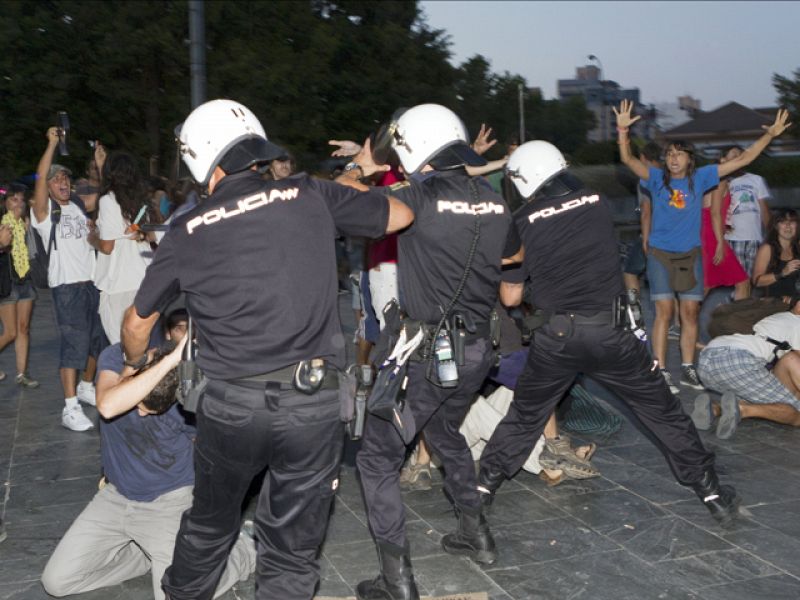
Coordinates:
column 85, row 393
column 74, row 419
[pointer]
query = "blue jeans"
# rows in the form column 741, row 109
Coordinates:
column 79, row 329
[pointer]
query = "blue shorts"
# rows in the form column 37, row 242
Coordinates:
column 20, row 292
column 635, row 262
column 660, row 288
column 80, row 332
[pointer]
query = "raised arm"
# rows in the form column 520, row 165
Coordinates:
column 136, row 333
column 40, row 192
column 780, row 125
column 400, row 215
column 117, row 394
column 624, row 121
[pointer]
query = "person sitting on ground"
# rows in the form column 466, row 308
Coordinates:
column 777, row 264
column 741, row 368
column 130, row 526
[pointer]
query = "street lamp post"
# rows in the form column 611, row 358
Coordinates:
column 197, row 51
column 520, row 90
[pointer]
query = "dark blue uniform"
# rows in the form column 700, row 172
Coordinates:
column 572, row 262
column 432, row 256
column 257, row 264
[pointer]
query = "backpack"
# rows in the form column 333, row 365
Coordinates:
column 740, row 316
column 38, row 254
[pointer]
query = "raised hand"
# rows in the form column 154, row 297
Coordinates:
column 53, row 135
column 482, row 142
column 364, row 159
column 346, row 148
column 624, row 116
column 780, row 125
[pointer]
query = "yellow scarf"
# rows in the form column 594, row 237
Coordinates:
column 19, row 249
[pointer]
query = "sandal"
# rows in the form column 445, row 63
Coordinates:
column 561, row 445
column 573, row 468
column 2, row 375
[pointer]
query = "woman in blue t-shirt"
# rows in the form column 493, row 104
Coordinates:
column 673, row 253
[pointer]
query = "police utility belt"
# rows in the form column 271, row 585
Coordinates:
column 623, row 314
column 306, row 377
column 462, row 333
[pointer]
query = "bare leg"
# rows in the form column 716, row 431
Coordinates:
column 69, row 380
column 787, row 370
column 90, row 370
column 741, row 290
column 663, row 318
column 423, row 455
column 631, row 281
column 779, row 413
column 550, row 429
column 8, row 316
column 22, row 343
column 689, row 311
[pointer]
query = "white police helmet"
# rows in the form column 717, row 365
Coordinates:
column 533, row 164
column 223, row 133
column 431, row 133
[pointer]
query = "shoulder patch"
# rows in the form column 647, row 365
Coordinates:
column 400, row 185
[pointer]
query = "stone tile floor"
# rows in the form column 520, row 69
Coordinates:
column 631, row 534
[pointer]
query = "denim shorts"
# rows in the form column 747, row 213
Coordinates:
column 658, row 277
column 80, row 332
column 635, row 262
column 20, row 292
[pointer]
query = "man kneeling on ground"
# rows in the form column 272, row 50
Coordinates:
column 758, row 375
column 130, row 526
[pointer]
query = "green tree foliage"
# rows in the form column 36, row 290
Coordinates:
column 788, row 89
column 311, row 70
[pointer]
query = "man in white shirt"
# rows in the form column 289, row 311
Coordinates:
column 70, row 272
column 748, row 214
column 758, row 375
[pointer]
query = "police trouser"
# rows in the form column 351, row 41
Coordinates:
column 438, row 412
column 240, row 431
column 619, row 361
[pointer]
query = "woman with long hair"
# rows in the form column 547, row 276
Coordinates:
column 16, row 307
column 123, row 253
column 673, row 258
column 777, row 267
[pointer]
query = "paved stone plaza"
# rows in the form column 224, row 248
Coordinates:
column 631, row 534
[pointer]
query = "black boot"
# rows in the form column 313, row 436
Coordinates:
column 721, row 500
column 488, row 483
column 472, row 538
column 396, row 580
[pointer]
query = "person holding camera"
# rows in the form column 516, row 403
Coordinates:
column 129, row 527
column 61, row 221
column 256, row 262
column 586, row 324
column 449, row 265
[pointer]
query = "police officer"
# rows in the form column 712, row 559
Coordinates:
column 572, row 261
column 256, row 262
column 449, row 265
